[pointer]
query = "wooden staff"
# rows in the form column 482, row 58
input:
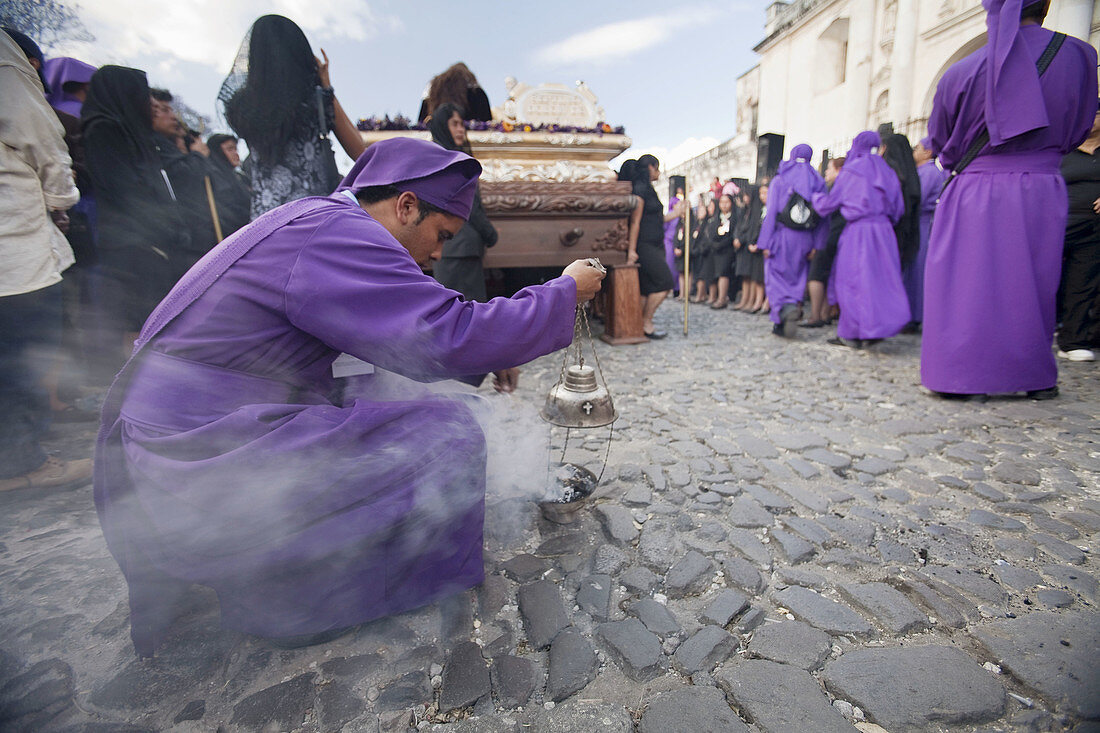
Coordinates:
column 213, row 208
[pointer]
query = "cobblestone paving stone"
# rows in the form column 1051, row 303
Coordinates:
column 788, row 536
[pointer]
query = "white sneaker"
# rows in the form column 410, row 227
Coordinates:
column 1077, row 355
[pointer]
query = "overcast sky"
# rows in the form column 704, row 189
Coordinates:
column 666, row 71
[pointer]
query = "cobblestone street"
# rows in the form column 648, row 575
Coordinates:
column 790, row 536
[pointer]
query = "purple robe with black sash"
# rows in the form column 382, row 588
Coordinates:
column 866, row 274
column 224, row 459
column 931, row 183
column 994, row 254
column 786, row 267
column 671, row 228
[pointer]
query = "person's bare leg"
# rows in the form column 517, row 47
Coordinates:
column 712, row 293
column 743, row 301
column 652, row 302
column 817, row 300
column 723, row 290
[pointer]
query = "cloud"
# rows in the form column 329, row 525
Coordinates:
column 612, row 41
column 209, row 32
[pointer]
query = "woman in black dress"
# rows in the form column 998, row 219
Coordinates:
column 720, row 233
column 459, row 266
column 646, row 244
column 704, row 257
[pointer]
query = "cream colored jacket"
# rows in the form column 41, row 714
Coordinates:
column 35, row 176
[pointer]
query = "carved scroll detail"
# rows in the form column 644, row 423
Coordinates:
column 613, row 238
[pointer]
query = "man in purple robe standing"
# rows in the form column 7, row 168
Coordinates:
column 867, row 271
column 787, row 250
column 995, row 250
column 932, row 178
column 225, row 456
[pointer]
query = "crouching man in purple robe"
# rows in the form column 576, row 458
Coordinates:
column 224, row 458
column 867, row 269
column 995, row 252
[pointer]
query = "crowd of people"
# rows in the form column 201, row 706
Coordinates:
column 983, row 262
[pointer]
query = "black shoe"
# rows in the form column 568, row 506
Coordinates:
column 1043, row 394
column 813, row 324
column 962, row 396
column 777, row 330
column 911, row 327
column 655, row 335
column 850, row 343
column 789, row 316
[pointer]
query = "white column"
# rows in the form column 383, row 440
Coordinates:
column 902, row 62
column 1075, row 18
column 861, row 35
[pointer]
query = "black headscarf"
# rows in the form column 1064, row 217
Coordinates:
column 119, row 95
column 31, row 51
column 898, row 153
column 270, row 95
column 439, row 127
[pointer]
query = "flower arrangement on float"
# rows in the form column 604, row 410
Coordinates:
column 402, row 123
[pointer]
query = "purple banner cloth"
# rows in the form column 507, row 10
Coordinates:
column 995, row 249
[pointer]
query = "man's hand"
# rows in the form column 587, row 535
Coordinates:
column 506, row 380
column 60, row 219
column 587, row 277
column 632, row 257
column 810, row 256
column 1096, row 206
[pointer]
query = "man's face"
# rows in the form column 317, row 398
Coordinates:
column 654, row 172
column 424, row 240
column 764, row 194
column 164, row 119
column 830, row 173
column 921, row 154
column 229, row 147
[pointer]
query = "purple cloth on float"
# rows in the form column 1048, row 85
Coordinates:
column 995, row 249
column 786, row 267
column 222, row 460
column 64, row 69
column 932, row 178
column 866, row 274
column 670, row 241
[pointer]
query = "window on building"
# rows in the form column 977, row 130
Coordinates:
column 832, row 56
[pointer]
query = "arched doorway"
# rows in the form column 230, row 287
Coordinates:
column 965, row 50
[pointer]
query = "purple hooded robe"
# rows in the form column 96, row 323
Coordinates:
column 994, row 254
column 226, row 458
column 670, row 242
column 63, row 69
column 786, row 266
column 932, row 178
column 867, row 270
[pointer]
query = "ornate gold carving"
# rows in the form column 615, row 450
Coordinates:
column 613, row 238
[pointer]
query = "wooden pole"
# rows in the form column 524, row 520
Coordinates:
column 213, row 208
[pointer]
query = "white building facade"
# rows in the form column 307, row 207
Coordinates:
column 832, row 68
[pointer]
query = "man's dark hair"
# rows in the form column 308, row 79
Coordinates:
column 1037, row 11
column 647, row 160
column 374, row 194
column 161, row 95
